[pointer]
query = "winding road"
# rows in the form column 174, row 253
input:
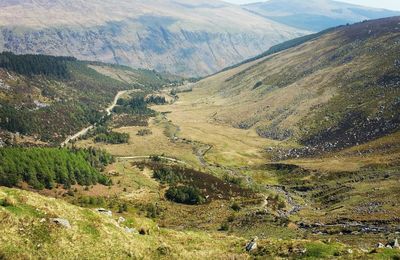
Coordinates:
column 85, row 130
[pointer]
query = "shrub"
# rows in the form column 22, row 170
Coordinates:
column 257, row 85
column 224, row 227
column 144, row 132
column 123, row 208
column 152, row 210
column 185, row 195
column 235, row 206
column 110, row 137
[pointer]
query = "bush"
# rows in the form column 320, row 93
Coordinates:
column 152, row 210
column 144, row 132
column 185, row 195
column 157, row 100
column 112, row 138
column 257, row 85
column 123, row 208
column 235, row 206
column 224, row 227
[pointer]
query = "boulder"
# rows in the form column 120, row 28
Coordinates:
column 104, row 211
column 252, row 245
column 380, row 245
column 396, row 244
column 61, row 222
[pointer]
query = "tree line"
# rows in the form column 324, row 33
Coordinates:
column 30, row 65
column 45, row 167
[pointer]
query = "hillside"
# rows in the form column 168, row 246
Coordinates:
column 46, row 98
column 191, row 38
column 335, row 91
column 315, row 15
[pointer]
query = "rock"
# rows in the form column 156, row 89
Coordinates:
column 349, row 251
column 396, row 244
column 380, row 245
column 104, row 211
column 252, row 245
column 61, row 222
column 121, row 220
column 389, row 246
column 130, row 230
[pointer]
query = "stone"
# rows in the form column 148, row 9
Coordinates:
column 380, row 245
column 61, row 222
column 349, row 251
column 104, row 212
column 396, row 244
column 252, row 245
column 121, row 220
column 130, row 230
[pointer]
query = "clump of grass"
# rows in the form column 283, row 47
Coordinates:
column 318, row 250
column 7, row 202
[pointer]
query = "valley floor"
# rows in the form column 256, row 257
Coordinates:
column 323, row 198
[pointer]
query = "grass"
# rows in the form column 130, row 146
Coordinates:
column 98, row 238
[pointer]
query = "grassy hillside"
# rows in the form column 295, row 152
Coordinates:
column 28, row 232
column 334, row 91
column 49, row 98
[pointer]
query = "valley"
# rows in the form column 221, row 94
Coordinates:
column 295, row 151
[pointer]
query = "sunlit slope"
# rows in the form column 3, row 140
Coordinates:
column 191, row 38
column 29, row 232
column 338, row 90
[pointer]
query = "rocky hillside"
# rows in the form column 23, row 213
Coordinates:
column 191, row 38
column 335, row 91
column 316, row 15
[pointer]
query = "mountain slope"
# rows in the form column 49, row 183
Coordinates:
column 316, row 15
column 190, row 38
column 49, row 98
column 338, row 90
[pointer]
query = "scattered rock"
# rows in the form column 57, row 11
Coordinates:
column 104, row 211
column 252, row 245
column 61, row 222
column 380, row 245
